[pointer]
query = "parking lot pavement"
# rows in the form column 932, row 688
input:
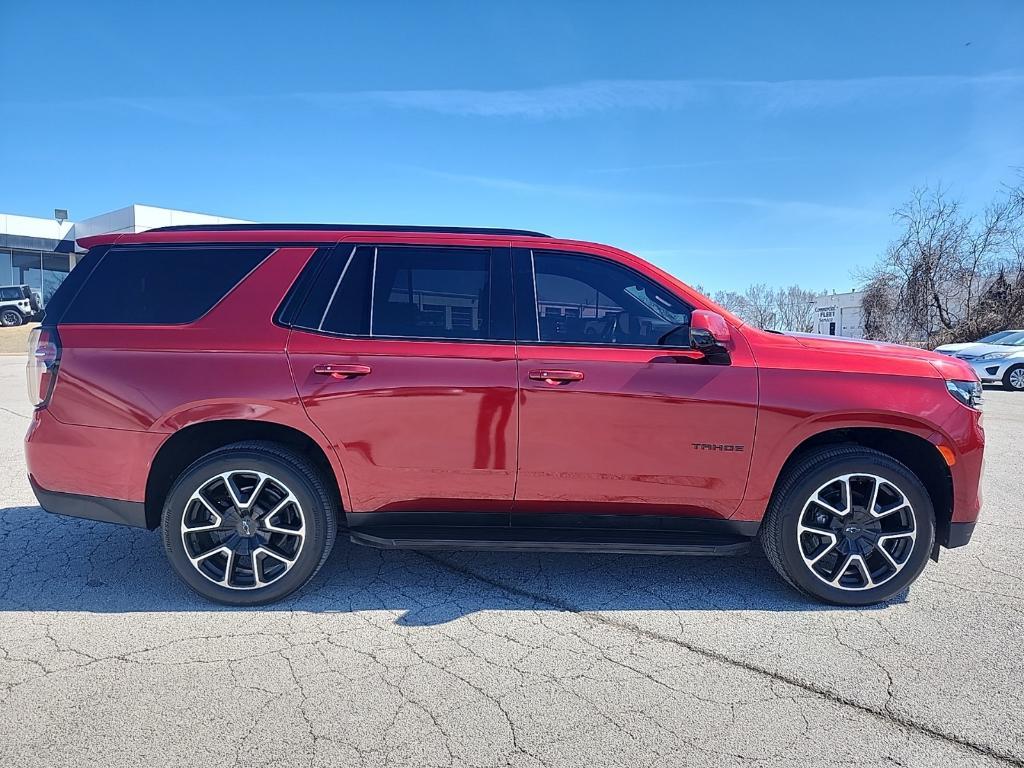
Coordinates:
column 400, row 658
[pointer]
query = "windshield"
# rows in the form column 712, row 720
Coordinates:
column 992, row 339
column 1012, row 340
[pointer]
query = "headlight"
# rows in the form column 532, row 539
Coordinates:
column 967, row 392
column 993, row 356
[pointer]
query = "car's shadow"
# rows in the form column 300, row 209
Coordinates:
column 50, row 563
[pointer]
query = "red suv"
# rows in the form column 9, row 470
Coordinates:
column 250, row 389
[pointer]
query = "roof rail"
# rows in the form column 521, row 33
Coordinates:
column 346, row 228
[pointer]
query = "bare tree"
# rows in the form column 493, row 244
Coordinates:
column 759, row 306
column 930, row 281
column 794, row 309
column 783, row 309
column 729, row 300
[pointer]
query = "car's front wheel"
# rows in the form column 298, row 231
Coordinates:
column 1013, row 379
column 849, row 525
column 249, row 523
column 10, row 318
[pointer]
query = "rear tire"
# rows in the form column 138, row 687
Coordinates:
column 11, row 318
column 249, row 523
column 849, row 525
column 1013, row 379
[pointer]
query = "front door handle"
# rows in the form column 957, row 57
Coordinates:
column 549, row 376
column 342, row 370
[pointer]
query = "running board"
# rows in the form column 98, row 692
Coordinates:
column 487, row 538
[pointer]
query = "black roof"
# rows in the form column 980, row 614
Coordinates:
column 346, row 228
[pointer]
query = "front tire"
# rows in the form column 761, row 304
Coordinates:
column 1013, row 379
column 11, row 318
column 249, row 523
column 849, row 526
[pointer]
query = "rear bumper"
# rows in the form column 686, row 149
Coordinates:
column 104, row 510
column 89, row 462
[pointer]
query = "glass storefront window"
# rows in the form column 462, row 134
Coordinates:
column 6, row 278
column 55, row 268
column 27, row 268
column 42, row 271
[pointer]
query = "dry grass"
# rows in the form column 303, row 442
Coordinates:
column 15, row 340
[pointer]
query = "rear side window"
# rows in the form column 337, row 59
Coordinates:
column 410, row 292
column 11, row 294
column 164, row 286
column 439, row 293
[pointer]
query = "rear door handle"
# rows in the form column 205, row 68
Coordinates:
column 342, row 370
column 549, row 376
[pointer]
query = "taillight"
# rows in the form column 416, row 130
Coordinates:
column 41, row 369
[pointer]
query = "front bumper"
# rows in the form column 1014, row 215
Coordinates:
column 991, row 371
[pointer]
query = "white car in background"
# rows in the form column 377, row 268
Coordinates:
column 972, row 349
column 998, row 362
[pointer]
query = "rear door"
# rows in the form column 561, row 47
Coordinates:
column 617, row 414
column 403, row 355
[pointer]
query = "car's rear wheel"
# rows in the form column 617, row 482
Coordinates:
column 249, row 523
column 10, row 318
column 1013, row 379
column 849, row 525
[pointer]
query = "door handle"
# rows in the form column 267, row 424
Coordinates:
column 342, row 370
column 556, row 377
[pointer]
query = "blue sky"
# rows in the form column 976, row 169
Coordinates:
column 727, row 142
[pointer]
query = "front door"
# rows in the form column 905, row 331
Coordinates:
column 617, row 414
column 403, row 357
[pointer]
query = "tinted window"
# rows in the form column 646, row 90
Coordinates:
column 432, row 293
column 587, row 300
column 349, row 310
column 9, row 294
column 160, row 285
column 338, row 296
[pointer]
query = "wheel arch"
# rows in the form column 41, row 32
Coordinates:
column 189, row 443
column 918, row 454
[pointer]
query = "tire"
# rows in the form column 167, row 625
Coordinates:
column 808, row 560
column 287, row 529
column 9, row 318
column 1013, row 379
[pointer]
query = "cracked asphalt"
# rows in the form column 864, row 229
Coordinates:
column 400, row 658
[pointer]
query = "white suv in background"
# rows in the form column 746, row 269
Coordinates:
column 17, row 305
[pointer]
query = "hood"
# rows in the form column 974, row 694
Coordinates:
column 963, row 346
column 892, row 358
column 862, row 346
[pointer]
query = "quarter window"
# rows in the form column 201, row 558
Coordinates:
column 588, row 300
column 160, row 285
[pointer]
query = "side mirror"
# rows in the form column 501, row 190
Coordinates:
column 709, row 333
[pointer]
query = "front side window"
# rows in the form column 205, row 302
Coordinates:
column 433, row 293
column 589, row 300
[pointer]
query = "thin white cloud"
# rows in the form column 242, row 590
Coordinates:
column 573, row 100
column 570, row 100
column 793, row 208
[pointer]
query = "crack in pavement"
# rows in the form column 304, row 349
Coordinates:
column 833, row 696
